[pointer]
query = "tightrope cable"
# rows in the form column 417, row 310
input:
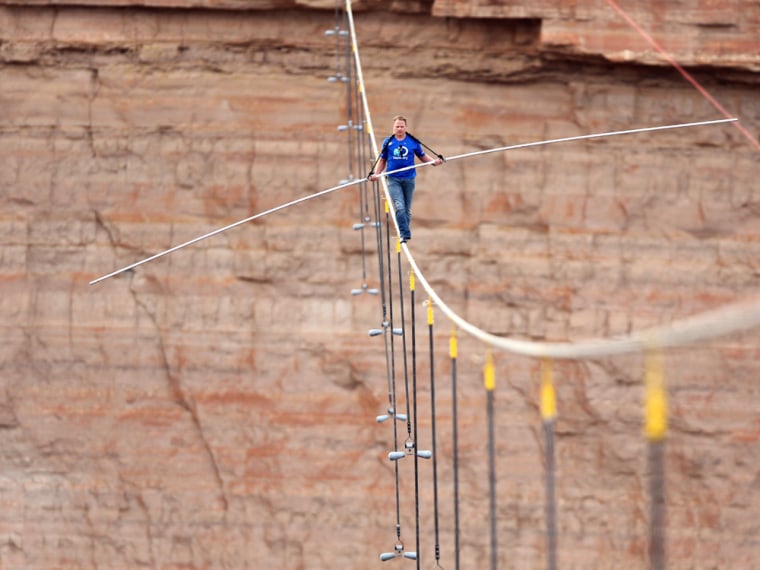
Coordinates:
column 563, row 140
column 229, row 227
column 386, row 173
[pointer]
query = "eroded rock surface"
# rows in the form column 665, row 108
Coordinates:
column 215, row 408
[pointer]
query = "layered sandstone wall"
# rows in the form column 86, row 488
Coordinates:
column 215, row 408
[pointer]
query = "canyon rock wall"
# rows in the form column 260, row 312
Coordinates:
column 215, row 408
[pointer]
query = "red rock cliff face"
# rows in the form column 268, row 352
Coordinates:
column 215, row 408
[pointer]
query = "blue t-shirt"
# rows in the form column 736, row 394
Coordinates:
column 401, row 153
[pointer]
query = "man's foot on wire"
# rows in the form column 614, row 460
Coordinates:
column 405, row 239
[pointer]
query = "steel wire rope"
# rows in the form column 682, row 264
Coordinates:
column 361, row 127
column 349, row 78
column 657, row 526
column 349, row 104
column 376, row 201
column 704, row 326
column 218, row 231
column 356, row 154
column 489, row 381
column 453, row 353
column 393, row 370
column 389, row 328
column 409, row 442
column 385, row 187
column 336, row 31
column 364, row 218
column 431, row 337
column 679, row 68
column 548, row 407
column 384, row 305
column 655, row 431
column 382, row 176
column 392, row 329
column 573, row 138
column 414, row 417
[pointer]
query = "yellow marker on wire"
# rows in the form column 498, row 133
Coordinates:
column 548, row 393
column 453, row 343
column 548, row 415
column 411, row 279
column 489, row 376
column 655, row 399
column 430, row 312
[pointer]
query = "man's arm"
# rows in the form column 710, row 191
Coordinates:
column 428, row 158
column 379, row 167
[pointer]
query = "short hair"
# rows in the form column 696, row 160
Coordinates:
column 400, row 118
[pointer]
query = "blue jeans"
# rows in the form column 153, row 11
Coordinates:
column 402, row 192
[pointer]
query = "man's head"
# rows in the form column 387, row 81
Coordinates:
column 399, row 126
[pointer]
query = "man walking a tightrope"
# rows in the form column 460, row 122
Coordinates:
column 398, row 152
